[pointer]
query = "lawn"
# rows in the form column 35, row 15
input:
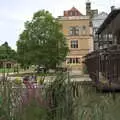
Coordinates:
column 6, row 70
column 9, row 70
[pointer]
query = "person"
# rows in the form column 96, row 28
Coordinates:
column 26, row 79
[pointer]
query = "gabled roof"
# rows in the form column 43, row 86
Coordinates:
column 73, row 9
column 112, row 15
column 100, row 15
column 103, row 13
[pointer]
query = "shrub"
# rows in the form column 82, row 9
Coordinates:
column 17, row 81
column 85, row 71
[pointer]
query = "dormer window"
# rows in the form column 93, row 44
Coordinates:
column 72, row 13
column 76, row 13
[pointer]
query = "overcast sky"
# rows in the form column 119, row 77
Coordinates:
column 13, row 13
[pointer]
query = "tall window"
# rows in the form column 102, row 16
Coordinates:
column 74, row 43
column 73, row 13
column 84, row 30
column 95, row 30
column 74, row 31
column 73, row 61
column 70, row 13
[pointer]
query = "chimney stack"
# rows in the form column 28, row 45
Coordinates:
column 112, row 8
column 88, row 8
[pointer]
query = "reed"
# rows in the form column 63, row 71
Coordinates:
column 60, row 99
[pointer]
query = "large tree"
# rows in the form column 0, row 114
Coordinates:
column 42, row 42
column 7, row 53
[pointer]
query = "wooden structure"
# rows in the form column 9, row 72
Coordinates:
column 7, row 63
column 104, row 64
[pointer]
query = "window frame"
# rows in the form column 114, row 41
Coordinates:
column 75, row 60
column 74, row 31
column 84, row 29
column 74, row 44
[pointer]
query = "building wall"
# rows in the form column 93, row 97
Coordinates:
column 85, row 41
column 96, row 22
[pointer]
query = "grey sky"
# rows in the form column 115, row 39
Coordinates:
column 13, row 13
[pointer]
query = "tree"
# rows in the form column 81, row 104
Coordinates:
column 42, row 42
column 7, row 53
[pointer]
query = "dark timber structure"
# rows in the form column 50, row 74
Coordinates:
column 104, row 64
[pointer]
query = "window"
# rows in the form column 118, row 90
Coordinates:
column 70, row 31
column 84, row 29
column 74, row 31
column 95, row 30
column 71, row 13
column 76, row 13
column 73, row 61
column 74, row 43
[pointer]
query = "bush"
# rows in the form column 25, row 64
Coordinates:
column 40, row 80
column 85, row 71
column 17, row 81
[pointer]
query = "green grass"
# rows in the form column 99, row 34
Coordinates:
column 9, row 70
column 6, row 70
column 31, row 73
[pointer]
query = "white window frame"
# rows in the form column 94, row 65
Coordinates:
column 74, row 43
column 74, row 31
column 73, row 60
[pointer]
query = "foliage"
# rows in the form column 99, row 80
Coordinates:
column 34, row 112
column 8, row 95
column 66, row 101
column 42, row 40
column 60, row 92
column 85, row 71
column 40, row 80
column 17, row 81
column 7, row 53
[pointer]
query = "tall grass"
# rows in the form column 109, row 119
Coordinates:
column 94, row 105
column 60, row 99
column 10, row 100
